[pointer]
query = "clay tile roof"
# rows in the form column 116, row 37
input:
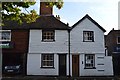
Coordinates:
column 49, row 22
column 43, row 22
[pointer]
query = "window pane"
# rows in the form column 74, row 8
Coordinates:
column 89, row 61
column 47, row 60
column 51, row 57
column 48, row 35
column 51, row 33
column 5, row 35
column 88, row 36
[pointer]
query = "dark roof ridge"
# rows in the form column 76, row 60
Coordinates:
column 112, row 31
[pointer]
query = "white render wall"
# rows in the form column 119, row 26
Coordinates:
column 60, row 45
column 97, row 47
column 34, row 65
column 77, row 44
column 103, row 66
column 37, row 47
column 109, row 65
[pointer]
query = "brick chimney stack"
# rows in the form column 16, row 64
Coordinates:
column 45, row 9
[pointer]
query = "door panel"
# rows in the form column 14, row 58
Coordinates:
column 116, row 64
column 62, row 65
column 75, row 65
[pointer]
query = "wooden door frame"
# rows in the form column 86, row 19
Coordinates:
column 77, row 65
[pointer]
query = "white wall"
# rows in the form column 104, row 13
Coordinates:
column 91, row 72
column 77, row 44
column 37, row 47
column 70, row 65
column 59, row 46
column 34, row 65
column 97, row 47
column 101, row 70
column 108, row 65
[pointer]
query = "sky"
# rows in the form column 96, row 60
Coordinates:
column 104, row 12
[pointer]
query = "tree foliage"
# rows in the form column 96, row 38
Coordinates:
column 58, row 4
column 13, row 10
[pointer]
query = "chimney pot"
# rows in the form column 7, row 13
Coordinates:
column 67, row 24
column 113, row 29
column 58, row 17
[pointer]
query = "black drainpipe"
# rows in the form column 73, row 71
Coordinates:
column 69, row 50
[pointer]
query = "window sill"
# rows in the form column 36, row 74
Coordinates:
column 48, row 40
column 88, row 41
column 47, row 67
column 118, row 43
column 90, row 68
column 5, row 40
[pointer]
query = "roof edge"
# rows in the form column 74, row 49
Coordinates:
column 87, row 16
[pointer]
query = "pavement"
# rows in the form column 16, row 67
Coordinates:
column 58, row 78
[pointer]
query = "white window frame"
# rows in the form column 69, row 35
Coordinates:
column 86, row 36
column 90, row 62
column 117, row 40
column 46, row 33
column 47, row 61
column 106, row 52
column 1, row 35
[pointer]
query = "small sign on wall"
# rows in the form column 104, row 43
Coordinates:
column 6, row 45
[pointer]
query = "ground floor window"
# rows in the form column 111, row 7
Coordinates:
column 13, row 63
column 47, row 60
column 89, row 61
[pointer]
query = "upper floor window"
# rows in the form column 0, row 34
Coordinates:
column 47, row 60
column 118, row 39
column 5, row 35
column 118, row 49
column 48, row 35
column 88, row 36
column 89, row 61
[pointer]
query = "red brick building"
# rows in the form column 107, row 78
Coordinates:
column 112, row 41
column 14, row 44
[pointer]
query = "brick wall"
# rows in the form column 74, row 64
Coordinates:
column 44, row 9
column 111, row 40
column 19, row 40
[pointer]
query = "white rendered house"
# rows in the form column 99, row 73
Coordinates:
column 58, row 50
column 48, row 47
column 88, row 48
